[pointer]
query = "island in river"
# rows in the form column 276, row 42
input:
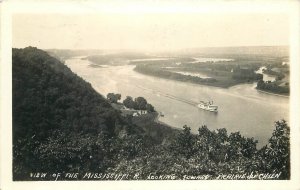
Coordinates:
column 209, row 69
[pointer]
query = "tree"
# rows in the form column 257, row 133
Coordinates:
column 222, row 135
column 113, row 98
column 140, row 103
column 184, row 143
column 260, row 84
column 129, row 103
column 278, row 150
column 118, row 96
column 149, row 108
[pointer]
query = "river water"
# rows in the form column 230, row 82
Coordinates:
column 241, row 107
column 205, row 59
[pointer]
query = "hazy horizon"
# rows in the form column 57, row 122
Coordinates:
column 149, row 31
column 203, row 47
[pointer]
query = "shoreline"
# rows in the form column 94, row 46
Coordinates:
column 156, row 119
column 220, row 87
column 271, row 93
column 194, row 83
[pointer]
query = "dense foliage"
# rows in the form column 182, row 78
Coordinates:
column 246, row 74
column 278, row 75
column 212, row 154
column 61, row 124
column 113, row 98
column 273, row 87
column 156, row 71
column 281, row 84
column 220, row 74
column 48, row 97
column 138, row 103
column 120, row 58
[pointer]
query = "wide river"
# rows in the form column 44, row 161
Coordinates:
column 241, row 107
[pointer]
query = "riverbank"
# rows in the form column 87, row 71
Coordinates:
column 220, row 82
column 160, row 131
column 214, row 77
column 272, row 93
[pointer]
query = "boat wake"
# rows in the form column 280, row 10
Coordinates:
column 170, row 96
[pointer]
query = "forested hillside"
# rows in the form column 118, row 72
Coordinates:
column 62, row 125
column 57, row 116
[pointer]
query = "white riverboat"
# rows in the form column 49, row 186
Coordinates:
column 209, row 106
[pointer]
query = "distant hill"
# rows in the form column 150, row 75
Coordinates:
column 63, row 54
column 247, row 50
column 98, row 55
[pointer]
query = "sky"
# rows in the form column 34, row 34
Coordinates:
column 150, row 31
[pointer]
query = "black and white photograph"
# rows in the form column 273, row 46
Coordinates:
column 151, row 91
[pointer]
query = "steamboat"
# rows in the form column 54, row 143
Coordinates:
column 208, row 106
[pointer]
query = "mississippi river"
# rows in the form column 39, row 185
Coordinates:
column 241, row 108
